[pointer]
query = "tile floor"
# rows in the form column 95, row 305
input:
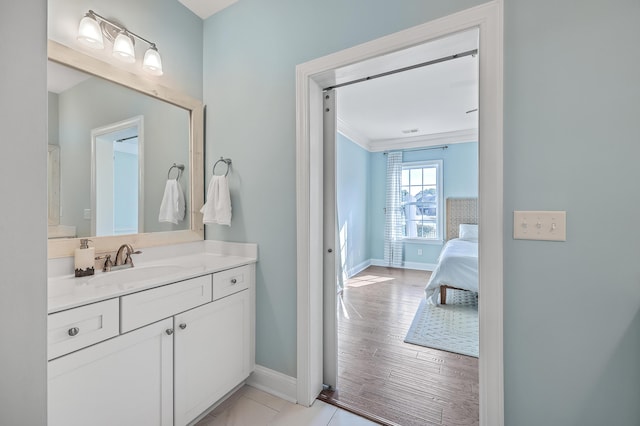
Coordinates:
column 252, row 407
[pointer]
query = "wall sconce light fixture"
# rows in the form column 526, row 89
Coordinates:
column 94, row 28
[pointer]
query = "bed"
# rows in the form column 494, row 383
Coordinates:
column 457, row 266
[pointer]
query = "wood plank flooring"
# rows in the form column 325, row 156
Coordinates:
column 382, row 377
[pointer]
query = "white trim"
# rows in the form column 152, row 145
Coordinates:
column 422, row 141
column 434, row 139
column 416, row 240
column 355, row 270
column 419, row 266
column 489, row 19
column 354, row 135
column 273, row 382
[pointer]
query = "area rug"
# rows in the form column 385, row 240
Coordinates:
column 452, row 327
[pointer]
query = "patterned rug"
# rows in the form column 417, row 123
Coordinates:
column 452, row 327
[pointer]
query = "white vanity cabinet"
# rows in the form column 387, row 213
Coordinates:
column 165, row 368
column 207, row 367
column 127, row 380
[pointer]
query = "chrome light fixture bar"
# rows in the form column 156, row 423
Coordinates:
column 94, row 28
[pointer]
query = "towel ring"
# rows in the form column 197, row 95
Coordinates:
column 226, row 161
column 180, row 168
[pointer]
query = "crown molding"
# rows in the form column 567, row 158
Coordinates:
column 353, row 134
column 458, row 136
column 422, row 141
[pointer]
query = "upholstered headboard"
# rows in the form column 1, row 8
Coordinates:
column 460, row 210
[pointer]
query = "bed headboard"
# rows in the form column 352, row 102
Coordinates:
column 460, row 210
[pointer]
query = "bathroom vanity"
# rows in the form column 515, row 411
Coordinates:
column 161, row 342
column 157, row 344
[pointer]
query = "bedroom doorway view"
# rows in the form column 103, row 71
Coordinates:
column 406, row 191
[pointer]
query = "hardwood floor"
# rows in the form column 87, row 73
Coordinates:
column 382, row 377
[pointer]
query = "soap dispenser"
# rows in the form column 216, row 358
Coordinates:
column 85, row 259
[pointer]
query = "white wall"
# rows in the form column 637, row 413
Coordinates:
column 23, row 224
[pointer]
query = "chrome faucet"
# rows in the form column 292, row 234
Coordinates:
column 127, row 250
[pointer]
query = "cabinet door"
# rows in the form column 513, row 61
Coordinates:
column 212, row 354
column 127, row 380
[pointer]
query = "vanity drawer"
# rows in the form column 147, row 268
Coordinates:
column 230, row 281
column 153, row 305
column 77, row 328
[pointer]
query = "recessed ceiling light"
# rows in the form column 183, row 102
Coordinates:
column 408, row 131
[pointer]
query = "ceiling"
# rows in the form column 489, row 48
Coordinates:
column 429, row 105
column 206, row 8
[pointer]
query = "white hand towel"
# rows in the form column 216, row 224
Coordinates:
column 172, row 208
column 217, row 209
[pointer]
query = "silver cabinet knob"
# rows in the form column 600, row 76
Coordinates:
column 183, row 326
column 73, row 331
column 169, row 331
column 233, row 281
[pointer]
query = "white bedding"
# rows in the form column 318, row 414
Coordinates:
column 457, row 267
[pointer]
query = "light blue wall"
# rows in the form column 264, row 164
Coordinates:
column 125, row 201
column 571, row 142
column 250, row 53
column 460, row 179
column 352, row 191
column 572, row 321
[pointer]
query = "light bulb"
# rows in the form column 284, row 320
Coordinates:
column 89, row 32
column 152, row 62
column 123, row 48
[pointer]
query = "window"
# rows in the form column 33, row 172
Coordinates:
column 422, row 199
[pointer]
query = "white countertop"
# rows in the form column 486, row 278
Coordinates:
column 155, row 267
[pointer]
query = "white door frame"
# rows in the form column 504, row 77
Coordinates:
column 331, row 246
column 488, row 18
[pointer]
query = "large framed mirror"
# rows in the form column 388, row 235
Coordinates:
column 116, row 140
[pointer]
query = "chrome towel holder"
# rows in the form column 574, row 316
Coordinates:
column 180, row 168
column 226, row 161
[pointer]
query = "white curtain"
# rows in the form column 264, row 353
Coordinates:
column 393, row 247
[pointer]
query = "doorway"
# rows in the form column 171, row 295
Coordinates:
column 117, row 168
column 312, row 77
column 424, row 117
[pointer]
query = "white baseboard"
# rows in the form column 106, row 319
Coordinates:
column 275, row 383
column 358, row 268
column 420, row 266
column 406, row 265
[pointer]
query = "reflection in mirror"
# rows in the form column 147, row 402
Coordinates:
column 117, row 171
column 115, row 146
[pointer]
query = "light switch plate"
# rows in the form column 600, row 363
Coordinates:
column 540, row 225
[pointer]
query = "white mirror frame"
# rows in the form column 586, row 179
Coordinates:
column 78, row 60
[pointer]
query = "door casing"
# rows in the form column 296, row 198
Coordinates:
column 488, row 18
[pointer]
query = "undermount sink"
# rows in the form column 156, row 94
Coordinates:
column 140, row 273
